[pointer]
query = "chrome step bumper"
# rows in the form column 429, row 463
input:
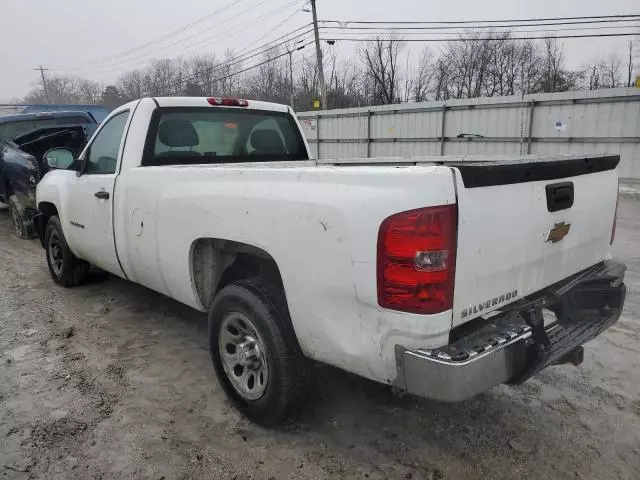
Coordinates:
column 515, row 344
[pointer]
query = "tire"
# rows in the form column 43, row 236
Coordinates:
column 21, row 219
column 261, row 302
column 65, row 268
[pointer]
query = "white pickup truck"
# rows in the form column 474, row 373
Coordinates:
column 428, row 274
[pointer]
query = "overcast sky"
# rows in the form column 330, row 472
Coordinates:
column 61, row 34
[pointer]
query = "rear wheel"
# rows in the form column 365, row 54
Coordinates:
column 255, row 352
column 21, row 218
column 65, row 268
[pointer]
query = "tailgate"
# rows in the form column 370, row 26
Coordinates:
column 526, row 225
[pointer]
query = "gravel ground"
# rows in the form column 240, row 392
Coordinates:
column 113, row 381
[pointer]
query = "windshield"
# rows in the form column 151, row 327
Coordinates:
column 222, row 135
column 15, row 130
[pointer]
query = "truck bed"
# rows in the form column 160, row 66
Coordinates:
column 487, row 170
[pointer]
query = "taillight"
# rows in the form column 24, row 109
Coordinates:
column 416, row 260
column 227, row 102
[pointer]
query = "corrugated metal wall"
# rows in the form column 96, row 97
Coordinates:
column 601, row 121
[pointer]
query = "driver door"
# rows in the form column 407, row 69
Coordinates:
column 90, row 222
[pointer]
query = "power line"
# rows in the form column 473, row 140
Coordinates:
column 235, row 28
column 218, row 67
column 257, row 65
column 243, row 12
column 161, row 38
column 468, row 39
column 267, row 46
column 274, row 29
column 311, row 59
column 344, row 25
column 225, row 77
column 459, row 22
column 242, row 58
column 251, row 22
column 262, row 48
column 391, row 31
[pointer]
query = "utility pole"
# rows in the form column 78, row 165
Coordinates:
column 323, row 86
column 44, row 83
column 290, row 52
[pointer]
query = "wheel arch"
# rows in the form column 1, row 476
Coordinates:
column 46, row 211
column 215, row 263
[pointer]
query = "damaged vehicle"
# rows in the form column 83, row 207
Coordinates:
column 24, row 141
column 430, row 274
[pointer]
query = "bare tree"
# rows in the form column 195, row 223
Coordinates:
column 270, row 80
column 603, row 73
column 423, row 76
column 345, row 88
column 552, row 59
column 554, row 76
column 67, row 90
column 512, row 65
column 494, row 64
column 592, row 77
column 231, row 82
column 611, row 67
column 469, row 63
column 442, row 85
column 530, row 66
column 380, row 58
column 112, row 97
column 308, row 83
column 131, row 84
column 203, row 73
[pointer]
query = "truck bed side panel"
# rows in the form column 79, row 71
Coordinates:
column 320, row 224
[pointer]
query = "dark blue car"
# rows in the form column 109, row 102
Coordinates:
column 24, row 139
column 98, row 112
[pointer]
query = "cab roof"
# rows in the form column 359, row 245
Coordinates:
column 21, row 117
column 203, row 102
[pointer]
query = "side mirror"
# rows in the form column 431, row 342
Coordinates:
column 59, row 158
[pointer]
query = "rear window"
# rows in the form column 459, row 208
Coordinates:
column 221, row 135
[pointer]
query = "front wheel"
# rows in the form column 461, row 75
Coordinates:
column 255, row 352
column 65, row 268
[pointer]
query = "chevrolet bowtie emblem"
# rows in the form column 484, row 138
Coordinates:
column 558, row 232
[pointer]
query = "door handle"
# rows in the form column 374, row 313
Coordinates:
column 559, row 196
column 102, row 194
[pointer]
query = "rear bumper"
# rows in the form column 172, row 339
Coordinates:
column 515, row 344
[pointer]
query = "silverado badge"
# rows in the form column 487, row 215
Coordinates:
column 558, row 232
